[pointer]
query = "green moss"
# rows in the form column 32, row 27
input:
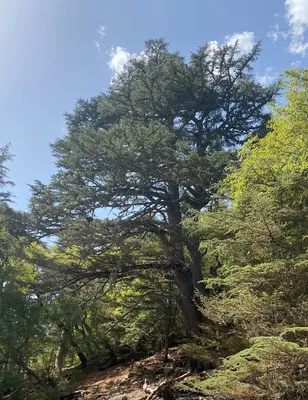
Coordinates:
column 271, row 366
column 227, row 383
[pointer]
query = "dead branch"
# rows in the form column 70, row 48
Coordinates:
column 156, row 392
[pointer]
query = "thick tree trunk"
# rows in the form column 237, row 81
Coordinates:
column 186, row 302
column 80, row 354
column 183, row 276
column 176, row 245
column 61, row 352
column 196, row 264
column 67, row 337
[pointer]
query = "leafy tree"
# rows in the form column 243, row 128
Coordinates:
column 261, row 237
column 152, row 148
column 4, row 157
column 105, row 315
column 21, row 325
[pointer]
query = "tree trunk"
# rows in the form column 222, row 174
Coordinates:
column 168, row 328
column 196, row 265
column 85, row 337
column 80, row 354
column 183, row 276
column 61, row 351
column 191, row 315
column 67, row 336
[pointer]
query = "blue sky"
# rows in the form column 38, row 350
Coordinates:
column 56, row 51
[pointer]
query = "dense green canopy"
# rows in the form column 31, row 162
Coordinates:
column 205, row 241
column 262, row 242
column 152, row 149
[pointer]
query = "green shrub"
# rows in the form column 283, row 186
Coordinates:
column 48, row 394
column 10, row 383
column 270, row 369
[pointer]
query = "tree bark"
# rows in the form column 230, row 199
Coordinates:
column 67, row 336
column 85, row 337
column 168, row 328
column 80, row 354
column 61, row 351
column 196, row 265
column 186, row 303
column 183, row 276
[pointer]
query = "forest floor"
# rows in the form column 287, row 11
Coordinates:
column 133, row 380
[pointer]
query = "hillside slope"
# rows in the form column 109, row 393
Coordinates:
column 134, row 380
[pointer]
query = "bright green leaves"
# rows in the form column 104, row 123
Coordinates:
column 260, row 235
column 271, row 367
column 272, row 179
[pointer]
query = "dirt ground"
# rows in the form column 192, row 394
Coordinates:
column 129, row 381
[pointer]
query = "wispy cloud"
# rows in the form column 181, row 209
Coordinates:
column 276, row 33
column 296, row 16
column 101, row 30
column 245, row 41
column 97, row 45
column 268, row 77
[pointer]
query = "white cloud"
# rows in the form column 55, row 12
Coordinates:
column 276, row 33
column 119, row 56
column 268, row 77
column 245, row 41
column 101, row 30
column 298, row 47
column 97, row 45
column 142, row 56
column 273, row 34
column 296, row 64
column 212, row 47
column 297, row 16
